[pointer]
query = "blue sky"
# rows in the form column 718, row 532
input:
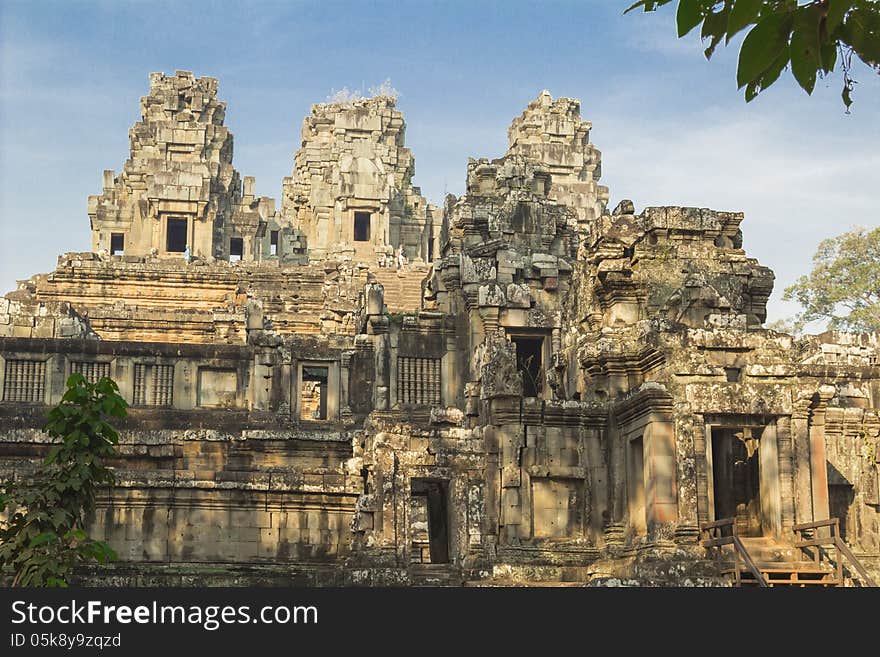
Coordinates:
column 673, row 128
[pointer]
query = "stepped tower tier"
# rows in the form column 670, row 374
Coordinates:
column 178, row 193
column 351, row 191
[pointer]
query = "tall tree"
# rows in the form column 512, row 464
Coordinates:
column 813, row 38
column 844, row 286
column 43, row 536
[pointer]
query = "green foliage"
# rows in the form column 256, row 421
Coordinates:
column 812, row 38
column 43, row 536
column 844, row 286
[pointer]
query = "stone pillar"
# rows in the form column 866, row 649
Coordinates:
column 661, row 500
column 261, row 379
column 818, row 463
column 285, row 381
column 381, row 345
column 449, row 373
column 514, row 503
column 690, row 430
column 617, row 475
column 786, row 476
column 768, row 454
column 377, row 326
column 344, row 374
column 800, row 438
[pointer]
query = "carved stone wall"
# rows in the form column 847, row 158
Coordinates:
column 351, row 191
column 545, row 392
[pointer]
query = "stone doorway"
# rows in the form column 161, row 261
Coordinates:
column 429, row 504
column 736, row 478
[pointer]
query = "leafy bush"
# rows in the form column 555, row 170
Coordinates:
column 43, row 536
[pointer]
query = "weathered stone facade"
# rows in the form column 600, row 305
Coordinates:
column 546, row 392
column 351, row 191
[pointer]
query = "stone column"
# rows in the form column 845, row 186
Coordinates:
column 786, row 476
column 377, row 326
column 598, row 479
column 660, row 478
column 492, row 485
column 818, row 463
column 689, row 430
column 344, row 374
column 449, row 374
column 768, row 454
column 800, row 439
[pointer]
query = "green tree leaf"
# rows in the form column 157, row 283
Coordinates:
column 842, row 28
column 743, row 14
column 828, row 55
column 714, row 28
column 761, row 47
column 689, row 15
column 805, row 56
column 861, row 31
column 834, row 15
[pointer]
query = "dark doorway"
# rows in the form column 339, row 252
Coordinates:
column 361, row 226
column 273, row 242
column 430, row 249
column 313, row 393
column 435, row 495
column 529, row 364
column 175, row 235
column 236, row 249
column 736, row 478
column 840, row 497
column 117, row 243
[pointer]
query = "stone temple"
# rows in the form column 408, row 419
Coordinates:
column 356, row 387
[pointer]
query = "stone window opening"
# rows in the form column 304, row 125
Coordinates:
column 176, row 234
column 733, row 374
column 418, row 381
column 24, row 381
column 236, row 249
column 429, row 521
column 153, row 385
column 313, row 393
column 361, row 226
column 273, row 242
column 117, row 243
column 91, row 371
column 529, row 363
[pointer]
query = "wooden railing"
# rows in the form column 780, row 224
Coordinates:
column 807, row 533
column 713, row 537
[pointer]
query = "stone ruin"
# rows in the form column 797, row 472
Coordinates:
column 545, row 391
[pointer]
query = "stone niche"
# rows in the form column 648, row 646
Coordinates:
column 218, row 388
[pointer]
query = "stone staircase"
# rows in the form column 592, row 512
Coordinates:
column 781, row 565
column 403, row 288
column 434, row 574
